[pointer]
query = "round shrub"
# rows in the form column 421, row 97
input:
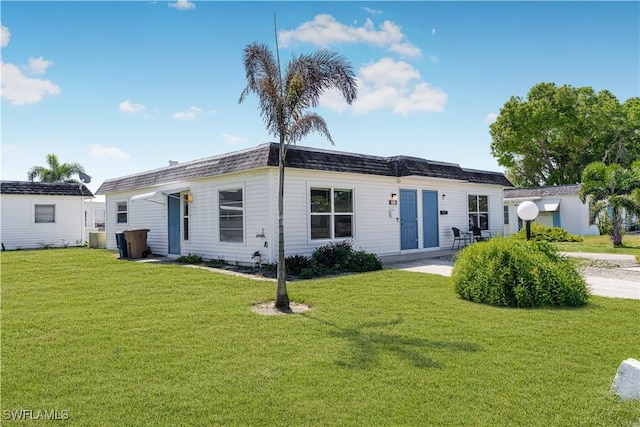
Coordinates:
column 545, row 233
column 517, row 273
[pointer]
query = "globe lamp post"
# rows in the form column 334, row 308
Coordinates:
column 528, row 211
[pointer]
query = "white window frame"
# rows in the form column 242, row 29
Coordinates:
column 125, row 212
column 186, row 217
column 42, row 205
column 332, row 214
column 478, row 212
column 243, row 210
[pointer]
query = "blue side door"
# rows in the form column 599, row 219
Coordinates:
column 408, row 219
column 173, row 215
column 430, row 230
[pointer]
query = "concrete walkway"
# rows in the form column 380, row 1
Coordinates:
column 627, row 287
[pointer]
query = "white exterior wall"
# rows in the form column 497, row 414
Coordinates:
column 375, row 228
column 20, row 231
column 204, row 235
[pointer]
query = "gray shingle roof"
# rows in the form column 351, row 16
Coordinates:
column 558, row 190
column 44, row 188
column 266, row 155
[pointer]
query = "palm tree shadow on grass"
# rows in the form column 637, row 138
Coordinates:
column 367, row 346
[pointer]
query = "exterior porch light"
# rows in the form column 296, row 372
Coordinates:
column 528, row 211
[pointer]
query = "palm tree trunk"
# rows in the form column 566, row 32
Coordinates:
column 616, row 227
column 282, row 299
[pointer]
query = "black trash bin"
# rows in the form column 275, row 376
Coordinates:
column 122, row 244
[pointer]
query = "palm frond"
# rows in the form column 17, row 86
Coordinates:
column 310, row 122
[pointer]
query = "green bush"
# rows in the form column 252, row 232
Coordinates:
column 516, row 273
column 296, row 263
column 361, row 261
column 334, row 255
column 545, row 233
column 190, row 259
column 332, row 258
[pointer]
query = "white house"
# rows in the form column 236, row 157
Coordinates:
column 559, row 206
column 39, row 214
column 226, row 207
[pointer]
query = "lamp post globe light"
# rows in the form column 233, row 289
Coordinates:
column 528, row 211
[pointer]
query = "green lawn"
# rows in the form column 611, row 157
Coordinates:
column 121, row 343
column 602, row 244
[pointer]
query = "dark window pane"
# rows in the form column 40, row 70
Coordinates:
column 185, row 228
column 343, row 226
column 506, row 215
column 320, row 226
column 473, row 204
column 320, row 200
column 45, row 213
column 484, row 221
column 343, row 201
column 231, row 215
column 484, row 204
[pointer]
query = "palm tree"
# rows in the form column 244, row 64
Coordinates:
column 283, row 101
column 56, row 172
column 612, row 189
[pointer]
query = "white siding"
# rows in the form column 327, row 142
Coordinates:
column 376, row 229
column 20, row 231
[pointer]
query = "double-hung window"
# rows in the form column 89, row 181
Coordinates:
column 121, row 213
column 331, row 213
column 185, row 217
column 45, row 214
column 479, row 211
column 231, row 214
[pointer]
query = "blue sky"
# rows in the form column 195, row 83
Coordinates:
column 124, row 87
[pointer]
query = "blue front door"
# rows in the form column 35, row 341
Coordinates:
column 408, row 220
column 430, row 231
column 173, row 214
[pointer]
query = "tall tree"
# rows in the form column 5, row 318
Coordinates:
column 612, row 189
column 283, row 101
column 56, row 171
column 552, row 135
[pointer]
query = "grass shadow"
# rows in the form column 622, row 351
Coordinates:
column 368, row 346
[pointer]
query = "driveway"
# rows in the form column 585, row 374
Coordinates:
column 614, row 276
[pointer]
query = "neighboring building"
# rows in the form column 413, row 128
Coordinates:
column 94, row 214
column 559, row 206
column 226, row 207
column 40, row 214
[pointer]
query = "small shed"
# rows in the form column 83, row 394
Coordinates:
column 40, row 214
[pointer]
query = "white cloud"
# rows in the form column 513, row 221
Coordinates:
column 324, row 30
column 393, row 85
column 101, row 152
column 233, row 139
column 5, row 35
column 372, row 11
column 190, row 114
column 131, row 107
column 490, row 118
column 20, row 90
column 38, row 65
column 182, row 5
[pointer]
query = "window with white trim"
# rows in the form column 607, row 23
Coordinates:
column 231, row 214
column 331, row 211
column 185, row 217
column 478, row 211
column 45, row 214
column 121, row 213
